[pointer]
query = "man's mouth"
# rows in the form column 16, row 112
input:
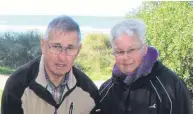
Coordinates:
column 60, row 65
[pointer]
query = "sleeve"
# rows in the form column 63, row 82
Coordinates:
column 11, row 102
column 183, row 100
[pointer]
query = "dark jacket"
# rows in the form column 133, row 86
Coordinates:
column 160, row 92
column 25, row 92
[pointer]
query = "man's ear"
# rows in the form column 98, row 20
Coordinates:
column 42, row 45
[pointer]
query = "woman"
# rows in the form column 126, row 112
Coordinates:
column 140, row 84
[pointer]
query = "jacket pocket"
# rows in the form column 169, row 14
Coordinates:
column 71, row 108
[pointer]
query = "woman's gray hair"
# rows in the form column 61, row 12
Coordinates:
column 129, row 27
column 63, row 24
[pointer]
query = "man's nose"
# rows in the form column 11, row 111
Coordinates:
column 63, row 55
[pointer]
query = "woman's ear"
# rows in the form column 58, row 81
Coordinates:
column 80, row 46
column 145, row 49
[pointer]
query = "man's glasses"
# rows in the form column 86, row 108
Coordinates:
column 57, row 49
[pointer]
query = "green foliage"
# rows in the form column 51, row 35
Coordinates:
column 169, row 29
column 96, row 57
column 18, row 48
column 5, row 70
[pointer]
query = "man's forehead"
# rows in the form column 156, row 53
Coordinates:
column 58, row 32
column 59, row 36
column 59, row 44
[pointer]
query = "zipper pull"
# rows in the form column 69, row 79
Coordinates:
column 55, row 111
column 71, row 108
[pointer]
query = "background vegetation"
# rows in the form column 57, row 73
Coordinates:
column 18, row 48
column 96, row 57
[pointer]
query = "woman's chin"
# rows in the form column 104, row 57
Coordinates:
column 128, row 69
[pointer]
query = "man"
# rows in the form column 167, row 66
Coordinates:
column 51, row 84
column 141, row 84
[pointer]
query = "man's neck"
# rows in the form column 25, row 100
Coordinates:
column 56, row 80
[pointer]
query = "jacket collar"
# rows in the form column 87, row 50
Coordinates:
column 157, row 68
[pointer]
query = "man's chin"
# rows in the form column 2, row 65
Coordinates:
column 59, row 74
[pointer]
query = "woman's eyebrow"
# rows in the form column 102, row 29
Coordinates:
column 130, row 47
column 70, row 45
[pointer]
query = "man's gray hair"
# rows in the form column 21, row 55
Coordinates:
column 129, row 27
column 63, row 24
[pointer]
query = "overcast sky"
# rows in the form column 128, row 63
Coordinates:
column 68, row 7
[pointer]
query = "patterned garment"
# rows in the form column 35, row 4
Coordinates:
column 57, row 92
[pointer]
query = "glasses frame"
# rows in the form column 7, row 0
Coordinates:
column 128, row 51
column 63, row 49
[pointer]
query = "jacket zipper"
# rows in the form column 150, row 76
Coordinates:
column 127, row 101
column 71, row 108
column 55, row 111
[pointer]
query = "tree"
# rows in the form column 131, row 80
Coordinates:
column 95, row 57
column 18, row 48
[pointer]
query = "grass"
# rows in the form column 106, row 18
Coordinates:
column 6, row 70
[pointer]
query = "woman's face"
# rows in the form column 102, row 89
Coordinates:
column 129, row 52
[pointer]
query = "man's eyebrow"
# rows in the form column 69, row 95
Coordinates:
column 58, row 44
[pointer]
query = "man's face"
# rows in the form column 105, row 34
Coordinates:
column 59, row 62
column 129, row 52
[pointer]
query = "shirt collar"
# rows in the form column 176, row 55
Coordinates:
column 63, row 83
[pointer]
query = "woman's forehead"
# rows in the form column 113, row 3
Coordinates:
column 127, row 41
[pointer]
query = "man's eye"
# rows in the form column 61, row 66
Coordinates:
column 57, row 46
